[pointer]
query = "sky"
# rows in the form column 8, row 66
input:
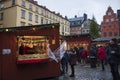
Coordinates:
column 70, row 8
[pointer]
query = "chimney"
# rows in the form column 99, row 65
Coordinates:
column 118, row 14
column 75, row 16
column 85, row 16
column 66, row 17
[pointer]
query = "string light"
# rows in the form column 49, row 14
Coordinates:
column 6, row 30
column 34, row 29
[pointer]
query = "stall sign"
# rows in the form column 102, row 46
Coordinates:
column 6, row 51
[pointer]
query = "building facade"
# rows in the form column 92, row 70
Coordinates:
column 110, row 26
column 29, row 12
column 79, row 25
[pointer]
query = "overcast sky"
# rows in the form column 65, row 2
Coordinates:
column 70, row 8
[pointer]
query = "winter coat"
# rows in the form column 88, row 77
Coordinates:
column 93, row 53
column 84, row 54
column 101, row 53
column 65, row 59
column 73, row 58
column 113, row 57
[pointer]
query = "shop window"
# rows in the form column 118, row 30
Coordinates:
column 32, row 47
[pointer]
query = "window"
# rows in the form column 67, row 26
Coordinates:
column 115, row 33
column 29, row 24
column 105, row 34
column 30, row 16
column 1, row 16
column 46, row 21
column 107, row 20
column 32, row 48
column 110, row 26
column 112, row 19
column 23, row 14
column 42, row 11
column 13, row 2
column 36, row 18
column 104, row 26
column 23, row 3
column 46, row 14
column 115, row 25
column 30, row 6
column 109, row 13
column 110, row 34
column 36, row 9
column 42, row 20
column 22, row 23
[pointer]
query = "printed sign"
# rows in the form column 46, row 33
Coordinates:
column 6, row 51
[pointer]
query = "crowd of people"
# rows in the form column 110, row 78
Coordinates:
column 97, row 55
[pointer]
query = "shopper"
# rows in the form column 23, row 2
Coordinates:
column 101, row 56
column 73, row 61
column 113, row 58
column 93, row 56
column 64, row 62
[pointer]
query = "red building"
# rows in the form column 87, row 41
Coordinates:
column 110, row 26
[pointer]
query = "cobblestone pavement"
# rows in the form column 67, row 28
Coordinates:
column 87, row 73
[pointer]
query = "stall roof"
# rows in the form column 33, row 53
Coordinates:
column 77, row 35
column 20, row 28
column 104, row 39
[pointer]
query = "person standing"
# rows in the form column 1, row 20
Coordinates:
column 113, row 58
column 72, row 61
column 22, row 49
column 93, row 56
column 84, row 57
column 64, row 62
column 101, row 56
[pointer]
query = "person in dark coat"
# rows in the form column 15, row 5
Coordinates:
column 72, row 61
column 22, row 49
column 64, row 62
column 113, row 58
column 93, row 56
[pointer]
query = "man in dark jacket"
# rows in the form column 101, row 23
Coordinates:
column 64, row 62
column 113, row 58
column 93, row 56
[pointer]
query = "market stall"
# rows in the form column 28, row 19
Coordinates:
column 24, row 52
column 82, row 40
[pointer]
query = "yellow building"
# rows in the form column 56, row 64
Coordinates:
column 28, row 12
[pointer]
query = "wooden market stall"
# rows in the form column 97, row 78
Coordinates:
column 24, row 52
column 82, row 40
